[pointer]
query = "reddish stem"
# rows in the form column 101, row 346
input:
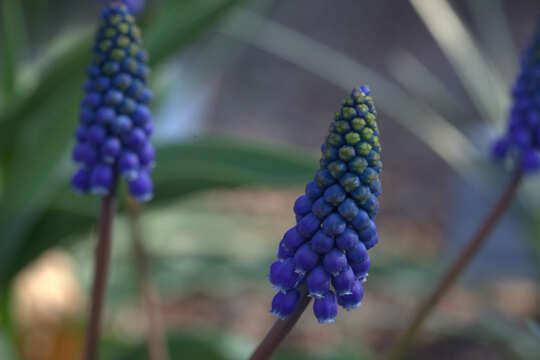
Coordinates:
column 101, row 270
column 280, row 330
column 458, row 266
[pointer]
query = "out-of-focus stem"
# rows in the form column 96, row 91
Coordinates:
column 280, row 330
column 101, row 270
column 458, row 266
column 157, row 342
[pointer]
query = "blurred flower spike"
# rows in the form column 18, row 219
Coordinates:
column 113, row 136
column 134, row 6
column 521, row 143
column 327, row 249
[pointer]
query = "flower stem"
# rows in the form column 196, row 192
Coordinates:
column 157, row 339
column 457, row 267
column 280, row 330
column 101, row 270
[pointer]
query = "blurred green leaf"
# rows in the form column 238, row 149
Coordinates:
column 182, row 168
column 7, row 352
column 13, row 45
column 181, row 346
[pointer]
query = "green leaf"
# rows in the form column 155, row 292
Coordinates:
column 182, row 168
column 13, row 45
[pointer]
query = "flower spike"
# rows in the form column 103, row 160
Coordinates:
column 521, row 143
column 335, row 218
column 113, row 137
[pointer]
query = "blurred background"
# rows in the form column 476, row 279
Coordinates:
column 245, row 91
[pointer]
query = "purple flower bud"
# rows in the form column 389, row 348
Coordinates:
column 350, row 182
column 136, row 138
column 283, row 276
column 141, row 115
column 308, row 225
column 149, row 128
column 361, row 269
column 367, row 234
column 361, row 221
column 325, row 308
column 285, row 303
column 361, row 194
column 113, row 97
column 333, row 225
column 302, row 206
column 96, row 134
column 128, row 165
column 335, row 262
column 318, row 282
column 313, row 191
column 376, row 188
column 111, row 149
column 146, row 96
column 101, row 179
column 84, row 154
column 102, row 83
column 105, row 115
column 88, row 86
column 292, row 239
column 122, row 81
column 530, row 161
column 348, row 209
column 322, row 243
column 305, row 259
column 323, row 178
column 93, row 70
column 111, row 67
column 354, row 299
column 344, row 282
column 348, row 240
column 372, row 242
column 121, row 125
column 321, row 208
column 147, row 155
column 81, row 180
column 371, row 206
column 334, row 194
column 357, row 254
column 92, row 100
column 86, row 115
column 81, row 133
column 141, row 188
column 284, row 253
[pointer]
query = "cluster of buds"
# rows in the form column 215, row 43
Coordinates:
column 334, row 219
column 521, row 143
column 113, row 136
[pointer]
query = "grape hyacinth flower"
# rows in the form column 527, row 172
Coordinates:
column 326, row 251
column 521, row 143
column 113, row 135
